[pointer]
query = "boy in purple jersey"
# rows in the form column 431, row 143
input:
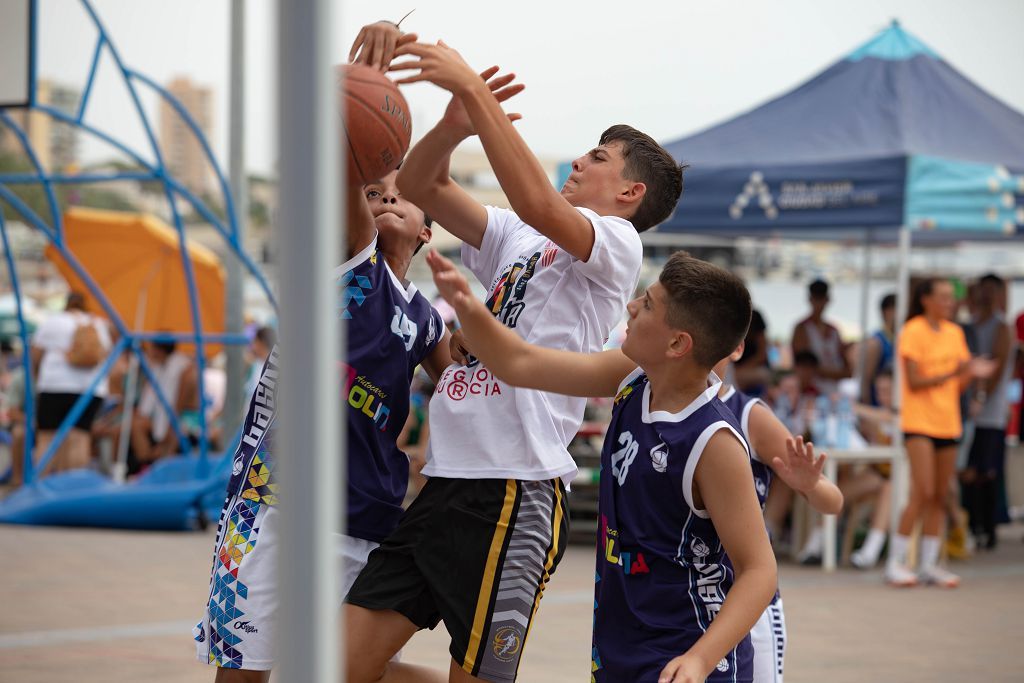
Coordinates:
column 774, row 451
column 676, row 491
column 392, row 329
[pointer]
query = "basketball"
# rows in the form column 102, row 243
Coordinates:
column 376, row 128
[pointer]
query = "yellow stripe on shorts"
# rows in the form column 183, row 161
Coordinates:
column 556, row 528
column 483, row 600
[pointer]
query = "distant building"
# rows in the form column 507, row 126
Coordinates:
column 55, row 144
column 183, row 155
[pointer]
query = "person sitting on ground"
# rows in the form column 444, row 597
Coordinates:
column 152, row 436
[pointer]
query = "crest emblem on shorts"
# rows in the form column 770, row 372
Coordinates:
column 699, row 548
column 659, row 457
column 508, row 641
column 723, row 665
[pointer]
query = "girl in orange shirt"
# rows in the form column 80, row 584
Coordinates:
column 936, row 368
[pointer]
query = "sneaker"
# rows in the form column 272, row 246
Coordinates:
column 937, row 576
column 862, row 561
column 900, row 576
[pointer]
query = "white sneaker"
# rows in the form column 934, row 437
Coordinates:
column 862, row 561
column 937, row 576
column 900, row 576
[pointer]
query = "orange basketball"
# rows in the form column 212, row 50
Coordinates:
column 376, row 129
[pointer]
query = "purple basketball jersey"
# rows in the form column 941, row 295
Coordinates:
column 661, row 569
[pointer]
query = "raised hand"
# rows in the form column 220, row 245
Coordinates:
column 801, row 470
column 455, row 115
column 376, row 44
column 451, row 284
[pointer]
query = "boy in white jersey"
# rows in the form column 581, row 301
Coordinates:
column 489, row 528
column 684, row 567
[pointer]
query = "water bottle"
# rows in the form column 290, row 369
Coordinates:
column 819, row 425
column 844, row 422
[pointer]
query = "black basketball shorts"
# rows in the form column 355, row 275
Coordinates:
column 476, row 554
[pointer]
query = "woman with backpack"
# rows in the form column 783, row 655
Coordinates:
column 67, row 351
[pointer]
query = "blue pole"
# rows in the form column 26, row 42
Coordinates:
column 92, row 75
column 26, row 362
column 51, row 197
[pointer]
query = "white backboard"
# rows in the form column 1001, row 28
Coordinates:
column 15, row 52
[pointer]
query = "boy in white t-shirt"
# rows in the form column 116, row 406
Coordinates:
column 480, row 542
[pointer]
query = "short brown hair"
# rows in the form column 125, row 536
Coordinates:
column 647, row 162
column 709, row 302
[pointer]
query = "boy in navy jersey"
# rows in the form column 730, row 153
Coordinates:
column 391, row 329
column 676, row 491
column 774, row 451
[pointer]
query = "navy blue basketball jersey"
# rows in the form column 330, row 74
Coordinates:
column 392, row 328
column 662, row 574
column 740, row 404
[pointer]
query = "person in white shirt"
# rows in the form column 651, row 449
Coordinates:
column 488, row 529
column 61, row 379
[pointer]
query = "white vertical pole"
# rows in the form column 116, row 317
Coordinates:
column 900, row 471
column 311, row 461
column 234, row 400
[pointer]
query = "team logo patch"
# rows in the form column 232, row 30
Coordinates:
column 659, row 457
column 723, row 665
column 762, row 488
column 699, row 548
column 508, row 641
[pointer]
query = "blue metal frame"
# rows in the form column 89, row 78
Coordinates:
column 26, row 359
column 173, row 189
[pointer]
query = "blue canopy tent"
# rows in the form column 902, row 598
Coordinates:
column 891, row 136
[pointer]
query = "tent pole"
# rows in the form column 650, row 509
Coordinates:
column 865, row 286
column 312, row 469
column 900, row 467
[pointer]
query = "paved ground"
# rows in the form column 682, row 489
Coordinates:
column 102, row 606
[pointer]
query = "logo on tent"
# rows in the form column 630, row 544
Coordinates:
column 755, row 188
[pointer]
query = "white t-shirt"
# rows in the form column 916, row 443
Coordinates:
column 168, row 376
column 54, row 336
column 485, row 429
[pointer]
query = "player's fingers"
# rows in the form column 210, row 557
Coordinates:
column 357, row 44
column 668, row 674
column 809, row 451
column 418, row 49
column 514, row 117
column 500, row 81
column 819, row 464
column 387, row 53
column 406, row 38
column 509, row 92
column 406, row 65
column 377, row 58
column 488, row 72
column 779, row 464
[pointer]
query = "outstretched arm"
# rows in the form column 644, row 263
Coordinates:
column 519, row 173
column 793, row 460
column 424, row 178
column 518, row 362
